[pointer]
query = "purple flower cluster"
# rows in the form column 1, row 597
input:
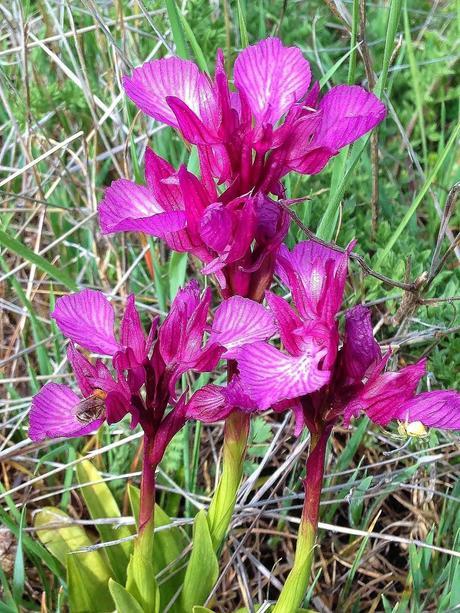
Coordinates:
column 248, row 139
column 232, row 217
column 317, row 374
column 145, row 369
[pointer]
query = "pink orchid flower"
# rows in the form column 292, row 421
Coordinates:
column 232, row 238
column 153, row 363
column 315, row 378
column 247, row 141
column 269, row 125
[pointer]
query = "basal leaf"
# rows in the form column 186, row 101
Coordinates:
column 203, row 568
column 141, row 582
column 123, row 600
column 88, row 573
column 86, row 587
column 101, row 504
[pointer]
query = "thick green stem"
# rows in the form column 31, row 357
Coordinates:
column 296, row 585
column 234, row 450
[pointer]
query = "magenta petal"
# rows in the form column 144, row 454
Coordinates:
column 190, row 125
column 162, row 180
column 237, row 396
column 272, row 78
column 439, row 409
column 216, row 227
column 208, row 405
column 383, row 394
column 53, row 414
column 207, row 360
column 117, row 405
column 360, row 349
column 87, row 318
column 151, row 84
column 316, row 276
column 172, row 334
column 296, row 407
column 312, row 162
column 131, row 331
column 288, row 322
column 128, row 207
column 269, row 376
column 195, row 199
column 84, row 371
column 311, row 100
column 238, row 321
column 348, row 112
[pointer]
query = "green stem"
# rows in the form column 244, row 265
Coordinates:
column 296, row 585
column 234, row 450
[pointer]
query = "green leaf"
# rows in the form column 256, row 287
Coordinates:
column 168, row 546
column 357, row 501
column 202, row 569
column 197, row 51
column 141, row 582
column 200, row 609
column 89, row 569
column 31, row 546
column 27, row 254
column 134, row 496
column 18, row 573
column 86, row 587
column 101, row 504
column 123, row 600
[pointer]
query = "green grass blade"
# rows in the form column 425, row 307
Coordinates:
column 19, row 576
column 27, row 254
column 242, row 25
column 176, row 28
column 392, row 27
column 415, row 83
column 197, row 51
column 333, row 69
column 419, row 198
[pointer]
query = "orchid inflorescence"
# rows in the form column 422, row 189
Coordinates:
column 287, row 355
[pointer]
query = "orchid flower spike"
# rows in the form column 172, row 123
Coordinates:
column 144, row 369
column 315, row 378
column 271, row 125
column 247, row 140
